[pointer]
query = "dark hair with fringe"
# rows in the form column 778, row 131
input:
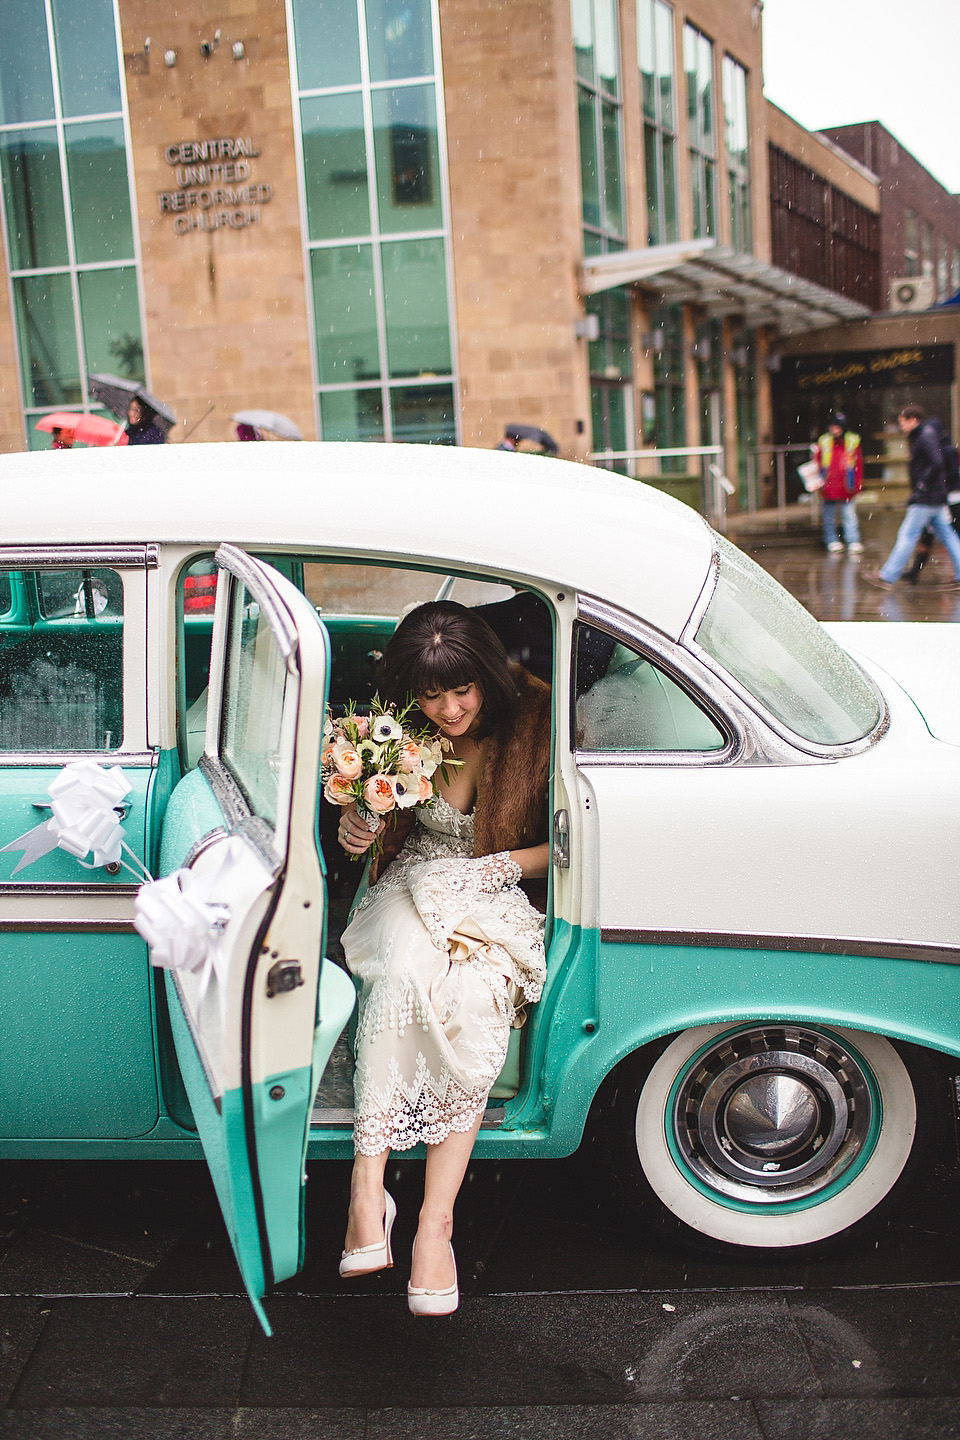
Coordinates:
column 442, row 645
column 913, row 412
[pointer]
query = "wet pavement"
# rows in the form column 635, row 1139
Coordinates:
column 122, row 1313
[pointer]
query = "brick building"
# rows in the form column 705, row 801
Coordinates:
column 401, row 221
column 919, row 218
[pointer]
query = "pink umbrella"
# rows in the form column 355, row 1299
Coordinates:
column 86, row 429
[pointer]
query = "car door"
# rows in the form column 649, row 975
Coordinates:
column 254, row 1029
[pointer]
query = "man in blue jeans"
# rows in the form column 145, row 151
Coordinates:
column 928, row 499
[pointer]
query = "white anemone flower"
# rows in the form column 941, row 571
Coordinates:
column 407, row 790
column 385, row 728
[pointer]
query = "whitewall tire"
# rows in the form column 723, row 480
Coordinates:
column 772, row 1134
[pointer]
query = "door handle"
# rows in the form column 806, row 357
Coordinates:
column 561, row 840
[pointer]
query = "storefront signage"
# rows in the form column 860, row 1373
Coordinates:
column 930, row 363
column 216, row 188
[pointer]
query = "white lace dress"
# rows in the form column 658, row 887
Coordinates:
column 446, row 946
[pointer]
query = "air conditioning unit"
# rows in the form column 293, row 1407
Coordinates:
column 912, row 292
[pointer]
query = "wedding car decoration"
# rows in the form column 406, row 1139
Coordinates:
column 86, row 803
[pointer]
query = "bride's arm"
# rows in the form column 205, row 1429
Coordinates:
column 534, row 861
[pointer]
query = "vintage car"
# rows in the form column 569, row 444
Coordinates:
column 752, row 924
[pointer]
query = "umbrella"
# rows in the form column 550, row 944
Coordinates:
column 278, row 425
column 117, row 393
column 87, row 429
column 535, row 435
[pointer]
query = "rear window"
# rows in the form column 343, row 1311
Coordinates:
column 768, row 642
column 61, row 660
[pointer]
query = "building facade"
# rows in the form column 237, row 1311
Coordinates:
column 400, row 219
column 919, row 218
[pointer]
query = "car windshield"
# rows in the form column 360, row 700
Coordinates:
column 768, row 642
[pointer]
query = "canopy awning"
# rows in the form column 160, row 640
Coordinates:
column 723, row 282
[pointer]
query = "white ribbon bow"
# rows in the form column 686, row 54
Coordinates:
column 183, row 925
column 84, row 821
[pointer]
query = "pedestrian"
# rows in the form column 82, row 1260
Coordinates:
column 927, row 505
column 509, row 442
column 840, row 458
column 142, row 427
column 62, row 439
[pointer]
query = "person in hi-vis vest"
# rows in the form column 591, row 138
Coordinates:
column 840, row 459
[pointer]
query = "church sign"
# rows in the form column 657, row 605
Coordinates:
column 215, row 188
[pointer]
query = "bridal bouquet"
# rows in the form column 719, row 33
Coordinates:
column 379, row 762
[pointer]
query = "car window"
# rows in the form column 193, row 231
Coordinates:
column 61, row 660
column 783, row 657
column 625, row 702
column 254, row 690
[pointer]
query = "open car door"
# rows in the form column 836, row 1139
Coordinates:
column 255, row 1027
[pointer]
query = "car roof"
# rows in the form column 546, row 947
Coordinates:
column 526, row 516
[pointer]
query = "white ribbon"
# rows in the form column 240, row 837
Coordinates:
column 183, row 924
column 84, row 820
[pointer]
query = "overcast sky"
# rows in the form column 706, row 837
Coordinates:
column 833, row 62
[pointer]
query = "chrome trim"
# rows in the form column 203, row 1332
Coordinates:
column 920, row 950
column 45, row 890
column 201, row 846
column 128, row 760
column 247, row 570
column 750, row 741
column 47, row 926
column 237, row 813
column 35, row 557
column 702, row 602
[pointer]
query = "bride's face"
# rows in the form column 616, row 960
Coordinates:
column 454, row 712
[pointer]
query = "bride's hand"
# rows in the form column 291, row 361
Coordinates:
column 355, row 834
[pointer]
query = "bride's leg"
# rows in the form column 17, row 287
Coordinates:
column 365, row 1220
column 446, row 1167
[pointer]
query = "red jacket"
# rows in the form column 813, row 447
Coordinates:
column 836, row 461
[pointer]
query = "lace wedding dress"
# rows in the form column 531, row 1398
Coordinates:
column 446, row 946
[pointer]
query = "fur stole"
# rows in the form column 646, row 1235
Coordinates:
column 512, row 787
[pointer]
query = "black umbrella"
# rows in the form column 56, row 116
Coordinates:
column 117, row 393
column 536, row 437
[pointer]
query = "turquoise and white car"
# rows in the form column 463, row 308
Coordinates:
column 752, row 919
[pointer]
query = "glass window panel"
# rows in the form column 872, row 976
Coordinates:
column 779, row 653
column 705, row 68
column 33, row 192
column 589, row 168
column 709, row 199
column 61, row 661
column 415, row 306
column 582, row 14
column 99, row 191
column 335, row 167
column 86, row 39
column 612, row 197
column 424, row 415
column 651, row 160
column 646, row 58
column 669, row 228
column 26, row 84
column 48, row 341
column 110, row 314
column 664, row 53
column 328, row 43
column 627, row 703
column 608, row 58
column 351, row 415
column 399, row 38
column 255, row 683
column 407, row 158
column 345, row 314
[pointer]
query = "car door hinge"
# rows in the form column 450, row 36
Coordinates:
column 283, row 977
column 561, row 840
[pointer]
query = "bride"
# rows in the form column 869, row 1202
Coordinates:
column 445, row 944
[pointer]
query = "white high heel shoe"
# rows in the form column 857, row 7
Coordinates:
column 368, row 1258
column 434, row 1302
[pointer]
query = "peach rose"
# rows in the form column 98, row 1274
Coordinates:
column 378, row 794
column 426, row 789
column 338, row 790
column 409, row 757
column 362, row 722
column 347, row 761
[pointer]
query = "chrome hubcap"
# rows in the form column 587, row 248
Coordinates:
column 772, row 1113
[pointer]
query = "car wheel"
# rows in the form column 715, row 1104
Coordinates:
column 769, row 1134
